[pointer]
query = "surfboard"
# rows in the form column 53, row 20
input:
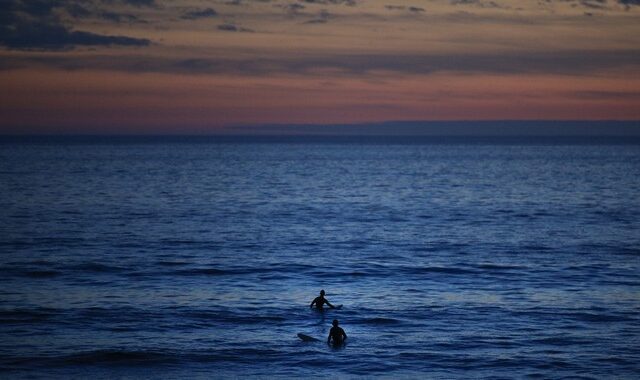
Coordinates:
column 307, row 338
column 336, row 307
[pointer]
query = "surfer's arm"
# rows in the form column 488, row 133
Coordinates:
column 312, row 302
column 330, row 305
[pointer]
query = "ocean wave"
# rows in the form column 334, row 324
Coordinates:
column 22, row 316
column 114, row 356
column 579, row 316
column 171, row 263
column 38, row 273
column 206, row 272
column 444, row 270
column 31, row 269
column 210, row 317
column 498, row 267
column 378, row 321
column 234, row 355
column 599, row 248
column 268, row 269
column 589, row 317
column 44, row 269
column 560, row 341
column 95, row 267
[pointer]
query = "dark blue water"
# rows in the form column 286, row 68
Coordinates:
column 179, row 258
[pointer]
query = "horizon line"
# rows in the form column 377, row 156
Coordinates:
column 391, row 128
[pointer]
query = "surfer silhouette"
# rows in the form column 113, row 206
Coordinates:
column 336, row 334
column 320, row 301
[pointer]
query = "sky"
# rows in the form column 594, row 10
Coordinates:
column 203, row 66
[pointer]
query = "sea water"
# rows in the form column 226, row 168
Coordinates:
column 198, row 258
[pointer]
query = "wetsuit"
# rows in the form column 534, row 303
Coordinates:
column 337, row 334
column 319, row 301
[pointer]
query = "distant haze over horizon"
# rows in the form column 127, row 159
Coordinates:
column 452, row 128
column 200, row 66
column 484, row 128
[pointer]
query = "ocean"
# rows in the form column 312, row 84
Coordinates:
column 198, row 257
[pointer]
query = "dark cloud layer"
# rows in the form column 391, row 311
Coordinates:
column 404, row 8
column 350, row 3
column 592, row 4
column 578, row 62
column 478, row 3
column 629, row 3
column 137, row 3
column 118, row 17
column 200, row 13
column 293, row 8
column 33, row 24
column 233, row 28
column 322, row 18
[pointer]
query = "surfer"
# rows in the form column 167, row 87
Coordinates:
column 320, row 301
column 337, row 334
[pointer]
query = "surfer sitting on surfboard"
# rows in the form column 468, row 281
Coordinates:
column 320, row 301
column 337, row 334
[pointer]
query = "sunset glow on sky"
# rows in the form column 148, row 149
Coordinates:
column 154, row 66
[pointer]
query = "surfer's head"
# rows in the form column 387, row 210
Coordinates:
column 335, row 323
column 322, row 292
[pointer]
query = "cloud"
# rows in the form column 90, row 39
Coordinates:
column 233, row 28
column 293, row 8
column 98, row 9
column 77, row 10
column 592, row 4
column 140, row 3
column 478, row 3
column 242, row 2
column 298, row 10
column 349, row 3
column 200, row 13
column 118, row 17
column 33, row 24
column 619, row 95
column 629, row 3
column 322, row 18
column 578, row 62
column 403, row 8
column 57, row 37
